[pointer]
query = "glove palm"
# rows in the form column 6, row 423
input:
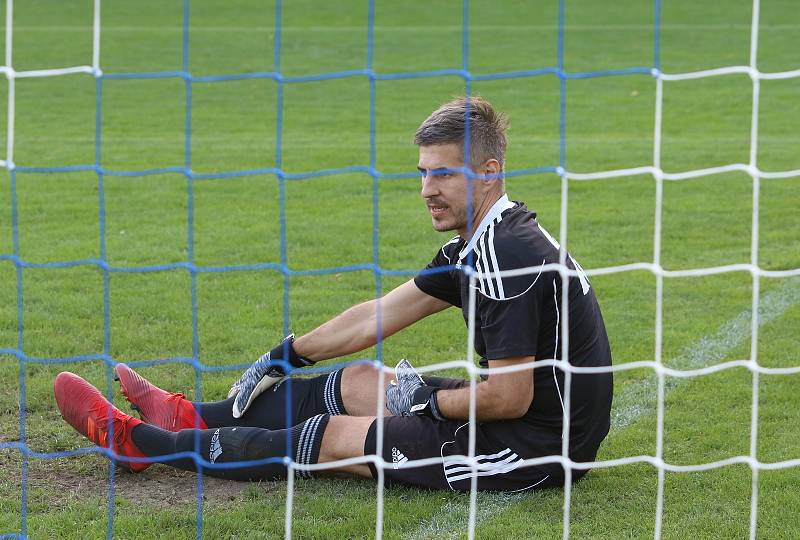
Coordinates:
column 264, row 373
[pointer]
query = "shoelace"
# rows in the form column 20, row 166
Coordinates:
column 102, row 413
column 176, row 398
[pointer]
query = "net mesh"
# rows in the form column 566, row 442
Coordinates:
column 654, row 170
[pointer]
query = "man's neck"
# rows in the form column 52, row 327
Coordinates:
column 478, row 214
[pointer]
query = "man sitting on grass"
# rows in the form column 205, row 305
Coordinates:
column 518, row 321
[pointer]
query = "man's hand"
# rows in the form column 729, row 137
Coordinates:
column 408, row 395
column 264, row 373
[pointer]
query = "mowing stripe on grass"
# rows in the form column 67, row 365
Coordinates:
column 634, row 401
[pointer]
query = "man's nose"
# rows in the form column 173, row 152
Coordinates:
column 428, row 186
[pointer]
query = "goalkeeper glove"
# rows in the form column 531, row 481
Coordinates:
column 408, row 395
column 264, row 373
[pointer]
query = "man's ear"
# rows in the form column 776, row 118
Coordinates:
column 492, row 170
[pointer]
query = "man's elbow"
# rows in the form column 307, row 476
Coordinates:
column 505, row 398
column 523, row 404
column 511, row 409
column 518, row 410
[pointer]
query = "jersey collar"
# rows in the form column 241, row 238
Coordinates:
column 497, row 208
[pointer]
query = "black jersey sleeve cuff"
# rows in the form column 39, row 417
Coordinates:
column 429, row 288
column 502, row 354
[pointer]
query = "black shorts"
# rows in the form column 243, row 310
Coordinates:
column 500, row 448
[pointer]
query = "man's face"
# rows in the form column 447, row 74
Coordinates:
column 445, row 192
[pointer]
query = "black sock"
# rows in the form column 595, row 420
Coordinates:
column 309, row 397
column 236, row 444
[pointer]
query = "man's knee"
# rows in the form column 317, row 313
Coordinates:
column 359, row 372
column 360, row 389
column 364, row 377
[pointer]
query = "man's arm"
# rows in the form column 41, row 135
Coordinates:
column 357, row 328
column 501, row 396
column 352, row 331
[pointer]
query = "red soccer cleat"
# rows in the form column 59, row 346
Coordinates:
column 167, row 410
column 86, row 409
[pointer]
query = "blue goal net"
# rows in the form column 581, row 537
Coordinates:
column 282, row 43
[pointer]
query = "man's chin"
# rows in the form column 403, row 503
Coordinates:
column 442, row 226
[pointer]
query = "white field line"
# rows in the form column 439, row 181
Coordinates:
column 637, row 399
column 451, row 520
column 634, row 401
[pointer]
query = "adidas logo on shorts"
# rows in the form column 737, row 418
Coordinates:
column 398, row 458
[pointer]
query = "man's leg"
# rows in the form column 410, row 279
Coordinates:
column 498, row 466
column 350, row 391
column 344, row 438
column 321, row 439
column 232, row 445
column 87, row 410
column 303, row 397
column 359, row 389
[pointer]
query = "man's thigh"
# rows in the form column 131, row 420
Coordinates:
column 360, row 387
column 344, row 439
column 497, row 466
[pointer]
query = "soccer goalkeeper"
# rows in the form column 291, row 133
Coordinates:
column 518, row 320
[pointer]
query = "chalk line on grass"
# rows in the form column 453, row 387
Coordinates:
column 638, row 399
column 451, row 519
column 634, row 401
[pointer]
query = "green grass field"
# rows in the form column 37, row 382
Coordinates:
column 706, row 222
